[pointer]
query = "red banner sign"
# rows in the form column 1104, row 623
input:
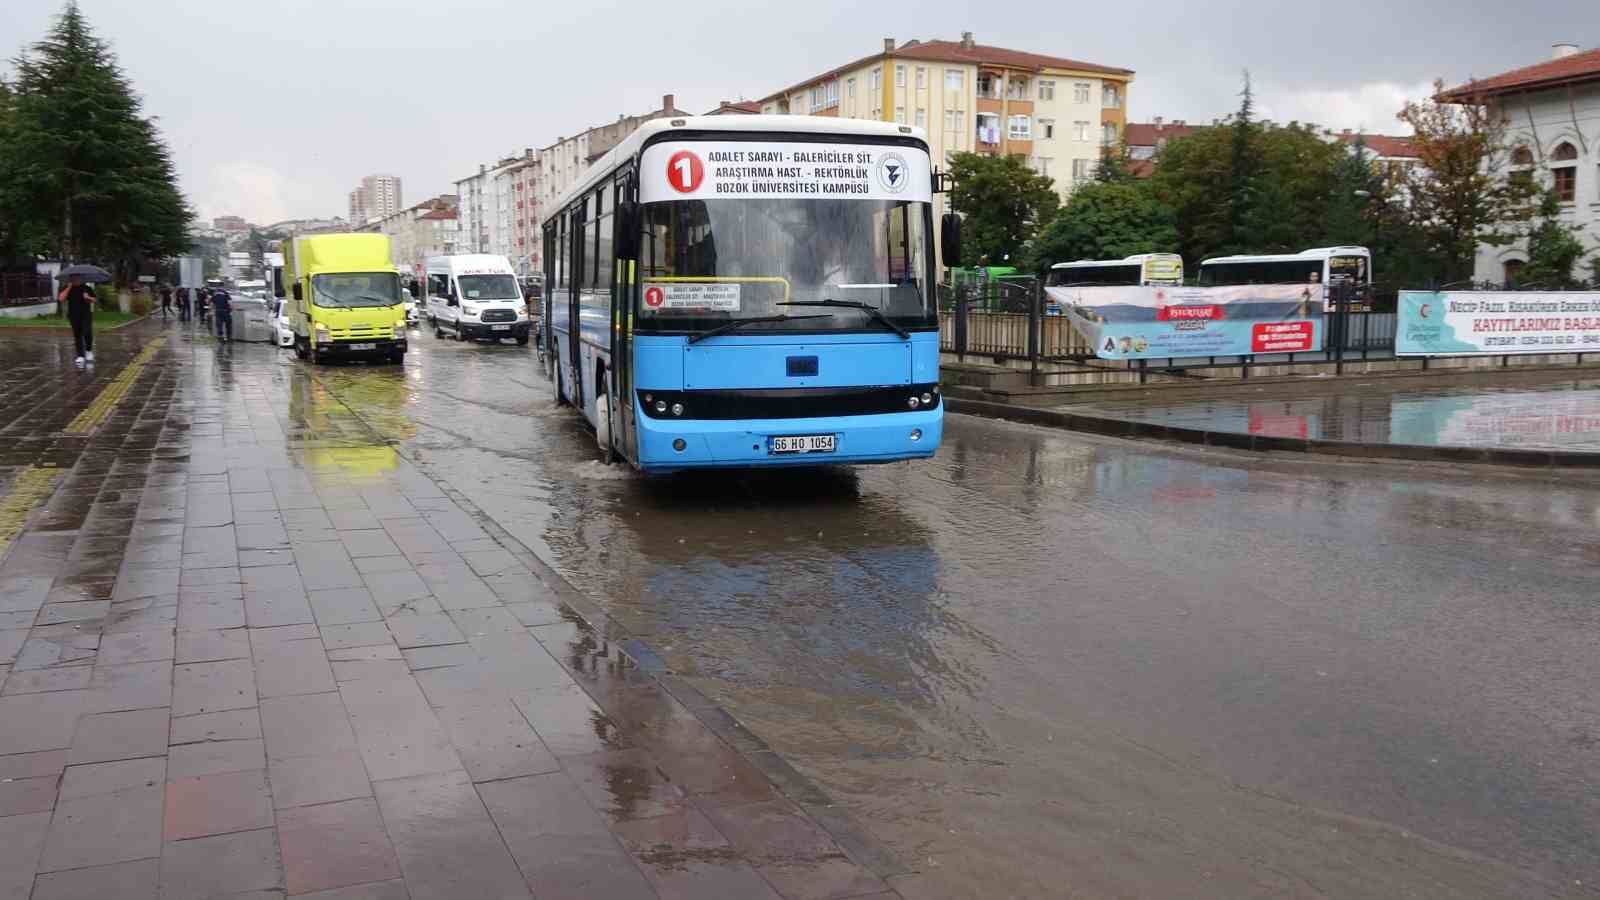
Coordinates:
column 1281, row 337
column 1178, row 313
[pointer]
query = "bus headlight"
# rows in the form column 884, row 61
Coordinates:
column 913, row 402
column 916, row 435
column 677, row 409
column 927, row 399
column 661, row 406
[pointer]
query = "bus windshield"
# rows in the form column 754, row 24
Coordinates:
column 704, row 263
column 356, row 289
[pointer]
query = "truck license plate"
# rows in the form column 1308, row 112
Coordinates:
column 363, row 346
column 500, row 327
column 803, row 443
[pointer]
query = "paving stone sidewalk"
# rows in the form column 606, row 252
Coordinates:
column 247, row 651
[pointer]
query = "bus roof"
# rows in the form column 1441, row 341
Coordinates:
column 1134, row 260
column 1313, row 253
column 631, row 144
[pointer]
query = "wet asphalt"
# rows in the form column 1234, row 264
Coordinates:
column 1046, row 665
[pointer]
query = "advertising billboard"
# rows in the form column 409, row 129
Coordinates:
column 1157, row 322
column 1497, row 323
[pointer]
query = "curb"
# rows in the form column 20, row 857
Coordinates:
column 1259, row 443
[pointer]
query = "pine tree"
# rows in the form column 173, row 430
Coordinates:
column 1243, row 163
column 85, row 168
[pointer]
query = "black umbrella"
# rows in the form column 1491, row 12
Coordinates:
column 91, row 274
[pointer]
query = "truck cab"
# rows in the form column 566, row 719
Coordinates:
column 345, row 300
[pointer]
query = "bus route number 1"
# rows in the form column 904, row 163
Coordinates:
column 685, row 172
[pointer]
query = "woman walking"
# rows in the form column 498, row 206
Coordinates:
column 79, row 298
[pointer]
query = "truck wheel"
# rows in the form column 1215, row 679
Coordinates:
column 398, row 357
column 461, row 334
column 300, row 349
column 438, row 332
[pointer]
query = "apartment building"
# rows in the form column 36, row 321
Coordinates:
column 378, row 196
column 429, row 228
column 488, row 209
column 969, row 97
column 565, row 161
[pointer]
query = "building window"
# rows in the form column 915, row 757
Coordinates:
column 1110, row 97
column 952, row 120
column 1047, row 128
column 1513, row 271
column 850, row 88
column 899, row 76
column 1080, row 131
column 988, row 86
column 1017, row 88
column 988, row 128
column 1564, row 169
column 875, row 81
column 1020, row 128
column 1081, row 169
column 1080, row 92
column 1109, row 133
column 900, row 114
column 922, row 118
column 877, row 114
column 825, row 96
column 955, row 80
column 1047, row 89
column 922, row 77
column 1041, row 164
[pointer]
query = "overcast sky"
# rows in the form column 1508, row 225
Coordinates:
column 275, row 110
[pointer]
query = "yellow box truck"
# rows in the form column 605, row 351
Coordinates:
column 346, row 295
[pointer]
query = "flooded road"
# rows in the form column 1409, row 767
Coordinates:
column 1047, row 665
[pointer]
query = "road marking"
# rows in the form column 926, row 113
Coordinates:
column 32, row 487
column 101, row 407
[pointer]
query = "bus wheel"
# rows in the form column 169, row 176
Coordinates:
column 602, row 422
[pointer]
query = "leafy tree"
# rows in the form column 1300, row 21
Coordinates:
column 89, row 173
column 1459, row 196
column 1114, row 163
column 1106, row 220
column 1553, row 247
column 1003, row 203
column 1243, row 161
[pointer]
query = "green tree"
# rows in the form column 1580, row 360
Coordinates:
column 1106, row 220
column 1243, row 162
column 1460, row 195
column 88, row 171
column 1114, row 164
column 1553, row 247
column 1002, row 202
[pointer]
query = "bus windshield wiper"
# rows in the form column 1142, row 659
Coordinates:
column 736, row 324
column 872, row 311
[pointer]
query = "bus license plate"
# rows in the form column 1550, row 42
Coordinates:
column 803, row 443
column 363, row 346
column 500, row 327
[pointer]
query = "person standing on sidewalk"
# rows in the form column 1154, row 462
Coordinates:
column 79, row 298
column 181, row 293
column 222, row 308
column 166, row 301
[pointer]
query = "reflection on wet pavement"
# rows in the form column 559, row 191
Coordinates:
column 1043, row 664
column 1559, row 415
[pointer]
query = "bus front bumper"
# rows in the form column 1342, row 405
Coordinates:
column 858, row 440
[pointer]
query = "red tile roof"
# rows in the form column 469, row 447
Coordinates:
column 1578, row 67
column 1385, row 144
column 1141, row 168
column 439, row 214
column 954, row 51
column 1149, row 134
column 743, row 106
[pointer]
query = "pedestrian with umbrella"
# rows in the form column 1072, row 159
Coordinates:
column 79, row 297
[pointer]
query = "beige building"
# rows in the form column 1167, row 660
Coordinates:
column 1054, row 112
column 565, row 161
column 428, row 229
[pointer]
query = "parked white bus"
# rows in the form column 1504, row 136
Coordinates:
column 1141, row 269
column 1325, row 265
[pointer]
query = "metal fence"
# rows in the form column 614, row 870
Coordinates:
column 1010, row 320
column 22, row 289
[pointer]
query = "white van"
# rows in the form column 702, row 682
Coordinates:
column 475, row 296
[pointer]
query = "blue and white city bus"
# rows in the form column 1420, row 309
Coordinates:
column 750, row 291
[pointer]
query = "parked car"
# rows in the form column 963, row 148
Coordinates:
column 285, row 330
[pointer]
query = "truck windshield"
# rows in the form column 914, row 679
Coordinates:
column 489, row 287
column 704, row 263
column 356, row 289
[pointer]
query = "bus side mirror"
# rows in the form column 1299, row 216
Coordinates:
column 277, row 282
column 297, row 290
column 628, row 223
column 950, row 240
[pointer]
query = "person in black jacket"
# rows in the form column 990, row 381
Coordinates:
column 79, row 298
column 222, row 311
